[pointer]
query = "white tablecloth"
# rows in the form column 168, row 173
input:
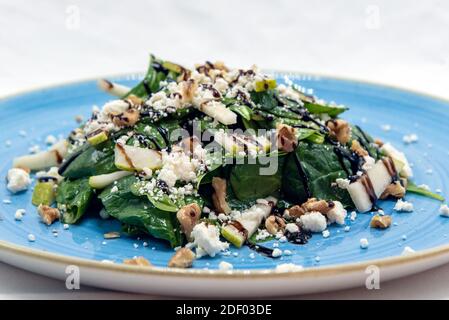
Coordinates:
column 403, row 43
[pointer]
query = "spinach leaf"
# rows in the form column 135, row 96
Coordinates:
column 413, row 188
column 332, row 111
column 249, row 184
column 92, row 161
column 244, row 111
column 266, row 100
column 321, row 167
column 75, row 196
column 140, row 212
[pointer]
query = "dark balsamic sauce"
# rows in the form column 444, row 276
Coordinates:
column 303, row 176
column 299, row 237
column 68, row 161
column 146, row 86
column 164, row 133
column 265, row 251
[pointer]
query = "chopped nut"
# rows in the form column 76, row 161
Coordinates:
column 379, row 142
column 48, row 214
column 112, row 235
column 219, row 196
column 380, row 222
column 274, row 224
column 339, row 130
column 137, row 261
column 183, row 258
column 127, row 118
column 188, row 216
column 313, row 204
column 395, row 190
column 286, row 138
column 357, row 148
column 296, row 211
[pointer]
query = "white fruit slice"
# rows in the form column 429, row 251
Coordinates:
column 115, row 89
column 219, row 112
column 360, row 197
column 132, row 158
column 380, row 177
column 45, row 159
column 400, row 160
column 250, row 220
column 236, row 143
column 103, row 180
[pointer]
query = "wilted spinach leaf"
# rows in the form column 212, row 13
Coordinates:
column 76, row 196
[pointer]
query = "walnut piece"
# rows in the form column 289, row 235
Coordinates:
column 188, row 216
column 286, row 138
column 219, row 196
column 395, row 190
column 48, row 214
column 339, row 130
column 274, row 224
column 127, row 118
column 183, row 258
column 188, row 89
column 313, row 204
column 380, row 222
column 358, row 149
column 296, row 211
column 137, row 261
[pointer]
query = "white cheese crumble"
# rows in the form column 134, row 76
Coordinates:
column 276, row 253
column 288, row 267
column 65, row 226
column 207, row 240
column 114, row 189
column 410, row 138
column 262, row 234
column 444, row 210
column 386, row 127
column 313, row 221
column 223, row 265
column 364, row 243
column 252, row 255
column 343, row 183
column 424, row 186
column 51, row 140
column 291, row 227
column 353, row 216
column 31, row 237
column 19, row 214
column 403, row 206
column 326, row 233
column 407, row 251
column 18, row 180
column 337, row 213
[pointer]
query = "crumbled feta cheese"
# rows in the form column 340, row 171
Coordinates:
column 283, row 239
column 291, row 227
column 410, row 138
column 276, row 253
column 326, row 233
column 178, row 166
column 424, row 186
column 407, row 251
column 287, row 252
column 19, row 214
column 347, row 228
column 22, row 133
column 252, row 255
column 403, row 206
column 364, row 243
column 65, row 226
column 34, row 149
column 386, row 127
column 7, row 201
column 313, row 221
column 206, row 210
column 207, row 239
column 31, row 237
column 223, row 265
column 288, row 267
column 353, row 216
column 337, row 213
column 444, row 210
column 343, row 183
column 262, row 234
column 18, row 180
column 51, row 140
column 114, row 189
column 222, row 217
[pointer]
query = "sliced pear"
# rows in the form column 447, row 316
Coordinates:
column 400, row 160
column 132, row 158
column 250, row 220
column 360, row 197
column 112, row 88
column 98, row 138
column 219, row 112
column 45, row 159
column 103, row 180
column 233, row 235
column 380, row 177
column 236, row 143
column 44, row 193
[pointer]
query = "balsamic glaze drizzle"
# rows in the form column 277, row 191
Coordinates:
column 164, row 133
column 302, row 175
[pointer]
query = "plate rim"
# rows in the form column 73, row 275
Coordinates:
column 341, row 268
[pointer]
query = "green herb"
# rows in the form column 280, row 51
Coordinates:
column 411, row 187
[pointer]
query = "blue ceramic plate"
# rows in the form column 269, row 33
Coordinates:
column 53, row 110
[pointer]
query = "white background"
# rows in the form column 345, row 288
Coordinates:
column 403, row 43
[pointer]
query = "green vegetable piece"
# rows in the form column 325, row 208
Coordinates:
column 332, row 111
column 98, row 138
column 413, row 188
column 44, row 193
column 172, row 66
column 75, row 196
column 264, row 85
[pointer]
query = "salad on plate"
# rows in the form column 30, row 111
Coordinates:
column 213, row 157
